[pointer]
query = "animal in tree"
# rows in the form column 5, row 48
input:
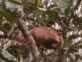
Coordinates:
column 44, row 36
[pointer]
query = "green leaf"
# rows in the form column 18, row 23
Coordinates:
column 77, row 45
column 7, row 26
column 15, row 2
column 77, row 20
column 30, row 7
column 67, row 44
column 7, row 14
column 1, row 17
column 65, row 3
column 73, row 36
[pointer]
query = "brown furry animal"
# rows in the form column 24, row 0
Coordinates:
column 44, row 36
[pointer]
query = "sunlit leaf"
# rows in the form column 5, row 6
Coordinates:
column 65, row 3
column 4, row 58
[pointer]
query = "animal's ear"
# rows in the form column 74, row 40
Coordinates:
column 61, row 38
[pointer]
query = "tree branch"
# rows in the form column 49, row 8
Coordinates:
column 29, row 39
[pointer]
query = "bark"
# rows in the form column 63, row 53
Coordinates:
column 25, row 31
column 58, row 55
column 29, row 39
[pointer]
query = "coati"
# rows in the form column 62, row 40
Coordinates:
column 44, row 36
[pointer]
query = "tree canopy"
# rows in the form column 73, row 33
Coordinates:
column 64, row 16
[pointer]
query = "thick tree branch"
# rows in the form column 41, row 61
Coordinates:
column 29, row 39
column 58, row 55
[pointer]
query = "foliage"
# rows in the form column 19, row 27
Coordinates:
column 47, row 16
